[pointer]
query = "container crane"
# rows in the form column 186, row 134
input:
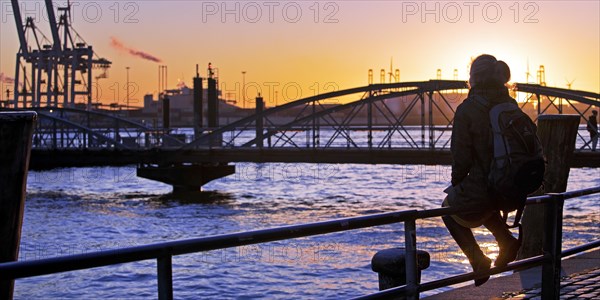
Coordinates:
column 68, row 53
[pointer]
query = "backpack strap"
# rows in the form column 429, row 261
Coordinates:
column 520, row 238
column 516, row 223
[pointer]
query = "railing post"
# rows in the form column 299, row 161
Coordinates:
column 553, row 213
column 410, row 239
column 165, row 277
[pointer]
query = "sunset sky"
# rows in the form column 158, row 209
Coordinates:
column 299, row 48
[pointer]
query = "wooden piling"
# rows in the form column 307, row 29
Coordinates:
column 557, row 133
column 16, row 129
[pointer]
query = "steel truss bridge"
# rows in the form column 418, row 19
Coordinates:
column 424, row 120
column 406, row 122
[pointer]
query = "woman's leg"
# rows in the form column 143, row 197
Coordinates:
column 464, row 238
column 498, row 228
column 467, row 243
column 508, row 244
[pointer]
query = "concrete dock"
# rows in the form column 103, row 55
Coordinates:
column 581, row 280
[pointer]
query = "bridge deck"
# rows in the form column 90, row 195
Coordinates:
column 48, row 159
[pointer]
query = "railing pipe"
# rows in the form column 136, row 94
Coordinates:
column 163, row 252
column 581, row 248
column 103, row 258
column 59, row 264
column 402, row 290
column 432, row 285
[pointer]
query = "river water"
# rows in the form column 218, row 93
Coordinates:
column 72, row 211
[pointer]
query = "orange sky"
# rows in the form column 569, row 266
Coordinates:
column 299, row 48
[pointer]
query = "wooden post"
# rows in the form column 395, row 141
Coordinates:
column 16, row 129
column 557, row 134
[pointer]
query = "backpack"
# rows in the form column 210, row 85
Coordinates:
column 518, row 165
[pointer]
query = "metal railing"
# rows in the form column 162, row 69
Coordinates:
column 163, row 252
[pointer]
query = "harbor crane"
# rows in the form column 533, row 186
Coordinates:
column 56, row 72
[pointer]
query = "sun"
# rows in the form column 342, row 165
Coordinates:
column 516, row 61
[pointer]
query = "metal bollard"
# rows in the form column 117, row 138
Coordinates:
column 390, row 265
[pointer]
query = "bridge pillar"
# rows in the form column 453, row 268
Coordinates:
column 213, row 111
column 166, row 112
column 185, row 178
column 197, row 105
column 259, row 121
column 213, row 104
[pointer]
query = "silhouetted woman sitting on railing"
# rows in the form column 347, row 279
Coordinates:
column 472, row 154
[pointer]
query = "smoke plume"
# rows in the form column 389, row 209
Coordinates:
column 6, row 79
column 115, row 43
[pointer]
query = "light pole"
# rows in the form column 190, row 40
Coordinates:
column 244, row 89
column 127, row 87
